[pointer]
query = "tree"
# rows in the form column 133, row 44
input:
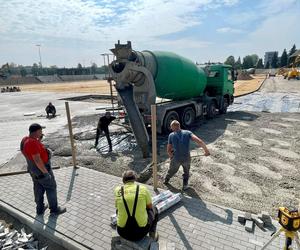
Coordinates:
column 274, row 61
column 23, row 71
column 79, row 69
column 238, row 64
column 93, row 68
column 230, row 61
column 254, row 59
column 35, row 69
column 292, row 51
column 248, row 62
column 283, row 59
column 259, row 64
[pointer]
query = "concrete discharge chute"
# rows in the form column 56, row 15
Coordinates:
column 141, row 77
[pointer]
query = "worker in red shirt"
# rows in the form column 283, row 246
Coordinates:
column 39, row 167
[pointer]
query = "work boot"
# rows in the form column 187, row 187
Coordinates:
column 154, row 235
column 185, row 186
column 166, row 181
column 58, row 211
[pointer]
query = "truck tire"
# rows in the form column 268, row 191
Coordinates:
column 170, row 116
column 223, row 110
column 188, row 117
column 212, row 110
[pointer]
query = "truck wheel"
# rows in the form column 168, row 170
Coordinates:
column 170, row 116
column 188, row 117
column 223, row 110
column 212, row 110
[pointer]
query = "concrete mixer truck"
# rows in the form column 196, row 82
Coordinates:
column 181, row 89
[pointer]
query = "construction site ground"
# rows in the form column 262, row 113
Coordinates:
column 243, row 87
column 88, row 197
column 102, row 87
column 255, row 147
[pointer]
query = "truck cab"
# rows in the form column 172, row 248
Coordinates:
column 220, row 85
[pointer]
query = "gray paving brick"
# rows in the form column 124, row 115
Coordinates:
column 194, row 225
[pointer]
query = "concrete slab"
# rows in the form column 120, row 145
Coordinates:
column 88, row 196
column 14, row 125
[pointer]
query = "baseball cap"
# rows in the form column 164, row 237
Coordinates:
column 34, row 127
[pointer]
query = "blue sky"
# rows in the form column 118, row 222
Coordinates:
column 73, row 31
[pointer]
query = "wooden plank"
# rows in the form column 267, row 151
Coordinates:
column 154, row 145
column 71, row 135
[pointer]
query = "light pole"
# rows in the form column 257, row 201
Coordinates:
column 39, row 46
column 107, row 77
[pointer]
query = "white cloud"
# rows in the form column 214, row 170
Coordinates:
column 91, row 20
column 58, row 23
column 275, row 33
column 228, row 30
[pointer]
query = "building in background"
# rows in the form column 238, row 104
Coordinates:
column 268, row 57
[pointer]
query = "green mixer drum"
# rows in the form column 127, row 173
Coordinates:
column 176, row 77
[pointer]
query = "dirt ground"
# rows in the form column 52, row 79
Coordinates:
column 92, row 86
column 242, row 87
column 102, row 87
column 254, row 163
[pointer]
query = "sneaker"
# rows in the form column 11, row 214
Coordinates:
column 58, row 211
column 110, row 150
column 154, row 235
column 185, row 187
column 42, row 212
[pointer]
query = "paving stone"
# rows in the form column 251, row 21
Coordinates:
column 259, row 222
column 249, row 225
column 248, row 216
column 241, row 219
column 88, row 217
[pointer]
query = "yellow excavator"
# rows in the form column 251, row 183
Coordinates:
column 294, row 73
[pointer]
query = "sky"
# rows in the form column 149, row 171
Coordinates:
column 79, row 31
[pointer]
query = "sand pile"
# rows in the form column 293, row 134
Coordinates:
column 244, row 75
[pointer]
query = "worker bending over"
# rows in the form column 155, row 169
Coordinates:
column 103, row 124
column 136, row 217
column 50, row 109
column 178, row 149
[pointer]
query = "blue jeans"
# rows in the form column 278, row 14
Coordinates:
column 42, row 184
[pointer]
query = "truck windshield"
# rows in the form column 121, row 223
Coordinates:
column 214, row 74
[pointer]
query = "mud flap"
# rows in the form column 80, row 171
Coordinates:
column 135, row 118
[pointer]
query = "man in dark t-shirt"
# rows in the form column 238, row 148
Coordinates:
column 103, row 124
column 50, row 109
column 178, row 149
